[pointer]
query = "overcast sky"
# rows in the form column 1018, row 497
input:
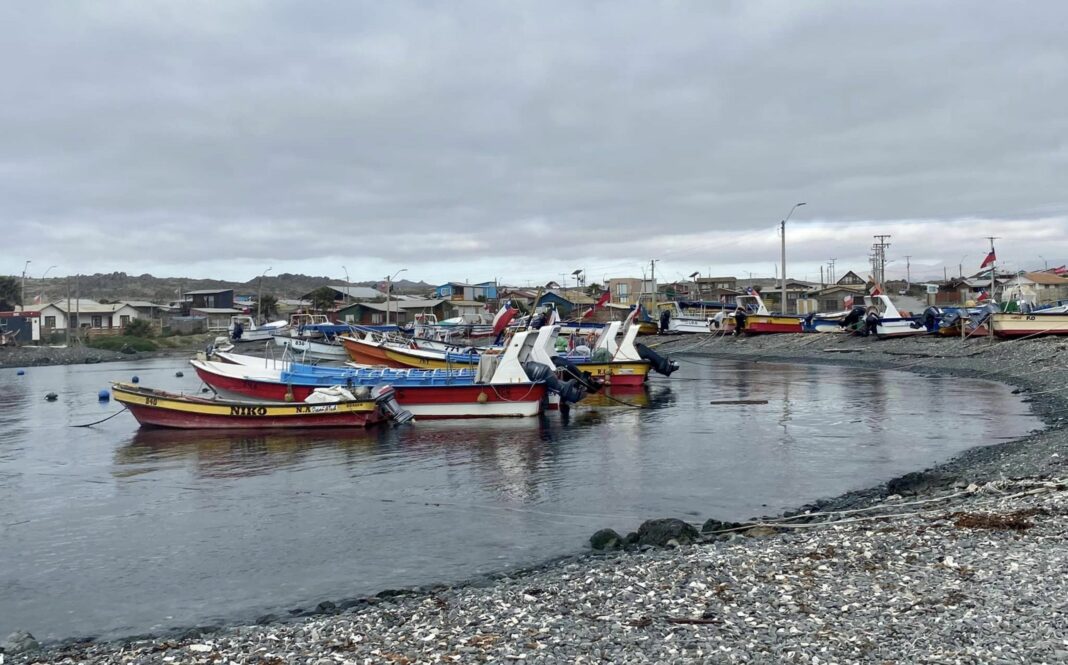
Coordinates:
column 522, row 140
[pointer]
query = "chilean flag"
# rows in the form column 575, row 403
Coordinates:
column 605, row 297
column 982, row 296
column 503, row 318
column 990, row 258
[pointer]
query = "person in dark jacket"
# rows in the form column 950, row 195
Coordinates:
column 740, row 318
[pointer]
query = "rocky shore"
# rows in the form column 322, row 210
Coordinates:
column 33, row 356
column 960, row 563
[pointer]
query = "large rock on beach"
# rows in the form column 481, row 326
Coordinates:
column 606, row 539
column 19, row 642
column 919, row 482
column 660, row 532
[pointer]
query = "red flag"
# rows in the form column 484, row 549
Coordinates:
column 605, row 297
column 503, row 318
column 990, row 258
column 982, row 296
column 848, row 301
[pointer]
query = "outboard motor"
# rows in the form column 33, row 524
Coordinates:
column 853, row 317
column 385, row 397
column 930, row 319
column 665, row 320
column 571, row 369
column 570, row 391
column 238, row 331
column 658, row 362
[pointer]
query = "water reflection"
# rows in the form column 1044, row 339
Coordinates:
column 115, row 530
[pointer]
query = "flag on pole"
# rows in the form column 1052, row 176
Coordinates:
column 983, row 295
column 504, row 316
column 605, row 297
column 37, row 299
column 848, row 301
column 990, row 258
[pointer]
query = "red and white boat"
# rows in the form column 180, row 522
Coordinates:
column 503, row 388
column 761, row 321
column 1033, row 324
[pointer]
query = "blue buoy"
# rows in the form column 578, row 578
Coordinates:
column 134, row 379
column 51, row 397
column 179, row 374
column 20, row 372
column 103, row 395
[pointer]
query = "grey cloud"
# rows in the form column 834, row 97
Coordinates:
column 289, row 130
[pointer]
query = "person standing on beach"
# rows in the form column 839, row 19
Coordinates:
column 740, row 318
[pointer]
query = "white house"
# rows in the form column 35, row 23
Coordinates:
column 86, row 315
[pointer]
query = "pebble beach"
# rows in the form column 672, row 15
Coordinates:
column 960, row 563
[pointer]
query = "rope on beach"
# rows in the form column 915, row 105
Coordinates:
column 100, row 421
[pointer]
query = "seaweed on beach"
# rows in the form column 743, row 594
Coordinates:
column 1014, row 521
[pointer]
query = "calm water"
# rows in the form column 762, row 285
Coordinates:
column 113, row 531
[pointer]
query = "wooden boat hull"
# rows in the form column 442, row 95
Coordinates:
column 366, row 353
column 154, row 408
column 618, row 372
column 1008, row 325
column 457, row 401
column 425, row 360
column 758, row 324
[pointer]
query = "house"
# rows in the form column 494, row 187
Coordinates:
column 629, row 290
column 400, row 312
column 833, row 298
column 570, row 303
column 712, row 289
column 216, row 318
column 1045, row 287
column 346, row 293
column 86, row 315
column 770, row 290
column 524, row 296
column 851, row 279
column 460, row 291
column 211, row 299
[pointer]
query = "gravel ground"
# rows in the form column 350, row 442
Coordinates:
column 961, row 563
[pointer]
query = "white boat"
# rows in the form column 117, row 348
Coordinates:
column 243, row 328
column 687, row 319
column 892, row 323
column 300, row 348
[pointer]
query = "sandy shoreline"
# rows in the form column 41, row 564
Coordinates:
column 946, row 589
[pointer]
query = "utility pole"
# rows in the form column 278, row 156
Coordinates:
column 831, row 274
column 783, row 234
column 823, row 284
column 908, row 271
column 993, row 271
column 22, row 299
column 878, row 258
column 652, row 277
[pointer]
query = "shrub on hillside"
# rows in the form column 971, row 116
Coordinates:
column 138, row 328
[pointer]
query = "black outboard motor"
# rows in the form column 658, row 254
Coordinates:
column 665, row 320
column 583, row 377
column 239, row 330
column 853, row 317
column 658, row 362
column 930, row 319
column 386, row 398
column 871, row 323
column 570, row 391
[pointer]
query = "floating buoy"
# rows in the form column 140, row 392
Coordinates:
column 51, row 397
column 103, row 395
column 179, row 374
column 134, row 379
column 482, row 397
column 20, row 372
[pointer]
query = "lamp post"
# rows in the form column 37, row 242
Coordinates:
column 960, row 266
column 693, row 276
column 347, row 284
column 23, row 298
column 259, row 296
column 783, row 227
column 1045, row 264
column 389, row 292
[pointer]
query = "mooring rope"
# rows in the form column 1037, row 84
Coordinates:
column 100, row 421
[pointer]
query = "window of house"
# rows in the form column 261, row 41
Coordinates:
column 623, row 291
column 124, row 320
column 98, row 321
column 50, row 322
column 377, row 319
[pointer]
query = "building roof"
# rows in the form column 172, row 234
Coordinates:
column 363, row 292
column 394, row 305
column 217, row 310
column 206, row 292
column 467, row 303
column 1046, row 278
column 84, row 306
column 143, row 303
column 573, row 296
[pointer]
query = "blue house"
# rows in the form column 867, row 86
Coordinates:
column 461, row 291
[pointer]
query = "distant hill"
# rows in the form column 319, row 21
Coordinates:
column 120, row 286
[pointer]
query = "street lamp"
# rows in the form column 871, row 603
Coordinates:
column 23, row 299
column 1045, row 264
column 389, row 291
column 259, row 296
column 576, row 274
column 46, row 272
column 796, row 206
column 348, row 285
column 693, row 276
column 960, row 266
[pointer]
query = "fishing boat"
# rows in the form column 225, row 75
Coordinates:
column 156, row 408
column 243, row 328
column 687, row 317
column 892, row 322
column 620, row 361
column 319, row 349
column 499, row 386
column 1035, row 323
column 760, row 321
